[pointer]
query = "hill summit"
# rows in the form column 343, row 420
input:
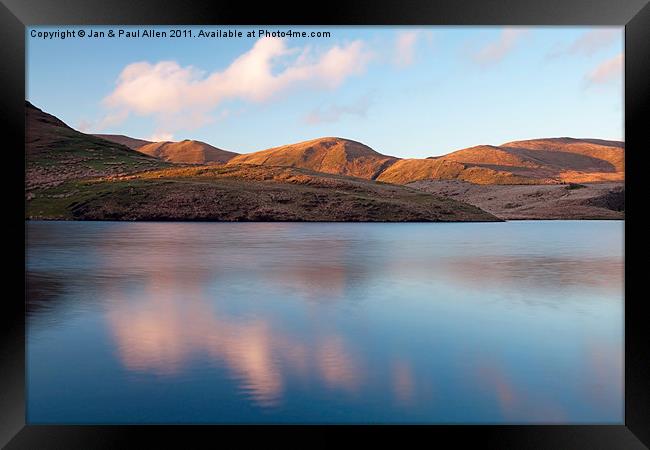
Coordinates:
column 187, row 151
column 332, row 155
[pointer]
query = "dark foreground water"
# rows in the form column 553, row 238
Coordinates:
column 514, row 322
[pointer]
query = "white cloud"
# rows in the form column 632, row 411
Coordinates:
column 405, row 45
column 333, row 113
column 110, row 119
column 405, row 48
column 493, row 52
column 588, row 43
column 606, row 72
column 85, row 126
column 161, row 137
column 182, row 97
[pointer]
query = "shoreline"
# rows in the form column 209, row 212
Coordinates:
column 40, row 219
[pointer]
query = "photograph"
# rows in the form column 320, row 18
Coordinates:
column 305, row 225
column 324, row 224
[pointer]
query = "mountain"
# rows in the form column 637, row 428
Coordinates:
column 132, row 143
column 75, row 176
column 537, row 161
column 187, row 152
column 72, row 175
column 328, row 155
column 56, row 153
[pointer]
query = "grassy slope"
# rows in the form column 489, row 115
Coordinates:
column 408, row 170
column 530, row 202
column 56, row 153
column 244, row 193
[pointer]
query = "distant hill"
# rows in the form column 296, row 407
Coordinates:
column 570, row 154
column 132, row 143
column 187, row 151
column 408, row 170
column 56, row 153
column 328, row 155
column 537, row 161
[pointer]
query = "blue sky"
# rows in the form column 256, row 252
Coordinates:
column 404, row 91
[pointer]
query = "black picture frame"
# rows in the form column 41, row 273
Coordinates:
column 15, row 15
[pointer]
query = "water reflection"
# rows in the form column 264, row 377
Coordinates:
column 538, row 272
column 175, row 322
column 403, row 383
column 328, row 322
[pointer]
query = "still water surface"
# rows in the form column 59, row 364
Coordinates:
column 517, row 322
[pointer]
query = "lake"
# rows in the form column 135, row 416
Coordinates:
column 455, row 323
